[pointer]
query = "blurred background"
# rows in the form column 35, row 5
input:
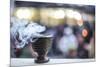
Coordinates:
column 72, row 25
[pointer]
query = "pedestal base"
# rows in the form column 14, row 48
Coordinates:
column 41, row 61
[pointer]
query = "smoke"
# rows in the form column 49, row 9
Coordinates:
column 24, row 32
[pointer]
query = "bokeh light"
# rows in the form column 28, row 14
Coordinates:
column 31, row 14
column 84, row 33
column 69, row 13
column 52, row 17
column 73, row 17
column 24, row 13
column 58, row 14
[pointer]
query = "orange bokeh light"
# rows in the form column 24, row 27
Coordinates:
column 84, row 32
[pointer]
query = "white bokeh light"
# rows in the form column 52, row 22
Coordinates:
column 77, row 15
column 59, row 14
column 70, row 13
column 23, row 13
